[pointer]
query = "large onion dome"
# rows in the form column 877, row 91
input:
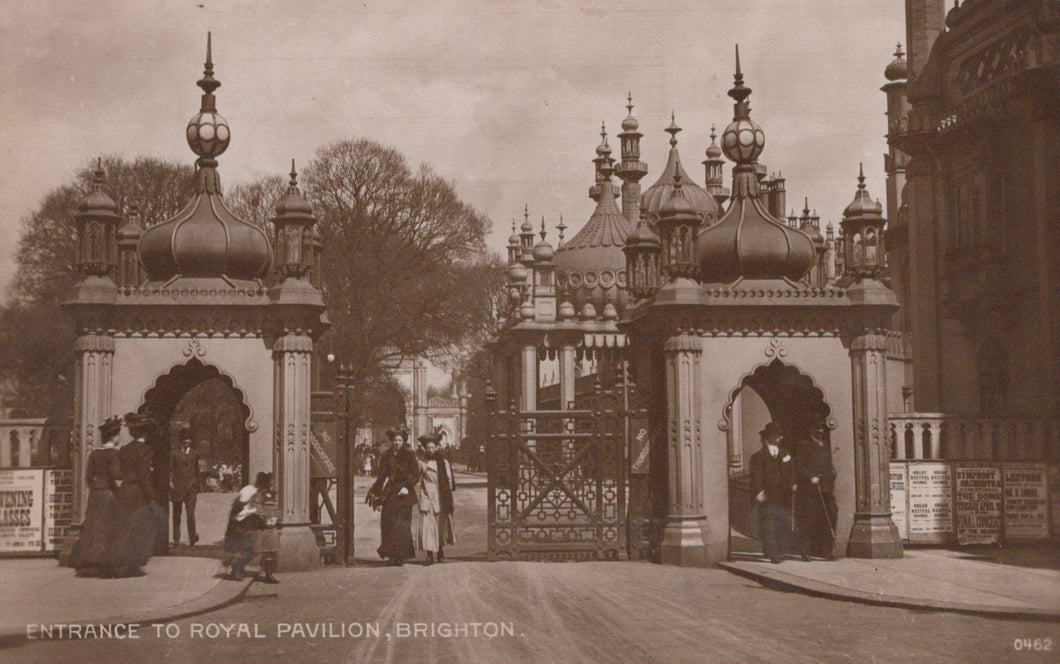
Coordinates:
column 655, row 196
column 206, row 239
column 748, row 242
column 591, row 267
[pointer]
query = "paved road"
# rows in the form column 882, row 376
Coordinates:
column 570, row 612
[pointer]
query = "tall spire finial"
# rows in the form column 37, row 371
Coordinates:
column 629, row 100
column 898, row 53
column 561, row 227
column 294, row 174
column 542, row 232
column 208, row 83
column 739, row 91
column 673, row 130
column 861, row 175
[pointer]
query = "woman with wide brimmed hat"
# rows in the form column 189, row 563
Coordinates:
column 394, row 491
column 137, row 521
column 102, row 473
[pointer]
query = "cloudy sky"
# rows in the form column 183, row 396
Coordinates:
column 504, row 98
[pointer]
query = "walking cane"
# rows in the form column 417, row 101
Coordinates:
column 792, row 511
column 824, row 506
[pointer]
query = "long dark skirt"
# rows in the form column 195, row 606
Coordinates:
column 396, row 529
column 135, row 525
column 95, row 532
column 239, row 539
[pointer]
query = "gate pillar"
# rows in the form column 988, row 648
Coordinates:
column 292, row 355
column 92, row 405
column 684, row 541
column 873, row 534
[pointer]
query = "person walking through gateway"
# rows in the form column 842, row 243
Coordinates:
column 772, row 483
column 435, row 500
column 815, row 506
column 184, row 485
column 101, row 476
column 394, row 491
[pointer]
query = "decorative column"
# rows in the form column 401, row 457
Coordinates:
column 292, row 356
column 93, row 376
column 873, row 535
column 566, row 377
column 420, row 423
column 683, row 537
column 528, row 378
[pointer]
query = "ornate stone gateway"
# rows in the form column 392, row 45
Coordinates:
column 557, row 482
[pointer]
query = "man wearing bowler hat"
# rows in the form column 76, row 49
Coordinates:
column 772, row 482
column 184, row 485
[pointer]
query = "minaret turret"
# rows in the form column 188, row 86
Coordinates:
column 631, row 169
column 714, row 166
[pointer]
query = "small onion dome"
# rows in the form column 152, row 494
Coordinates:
column 566, row 311
column 526, row 226
column 205, row 239
column 591, row 266
column 748, row 242
column 588, row 311
column 655, row 196
column 713, row 151
column 898, row 69
column 293, row 205
column 630, row 123
column 527, row 310
column 543, row 252
column 517, row 273
column 862, row 205
column 610, row 312
column 643, row 235
column 131, row 229
column 96, row 202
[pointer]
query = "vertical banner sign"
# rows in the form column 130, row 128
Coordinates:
column 1026, row 501
column 930, row 501
column 1054, row 493
column 640, row 449
column 58, row 507
column 978, row 502
column 21, row 510
column 900, row 497
column 323, row 453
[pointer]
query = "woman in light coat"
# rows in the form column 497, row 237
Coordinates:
column 435, row 494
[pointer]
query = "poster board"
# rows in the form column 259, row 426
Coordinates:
column 21, row 510
column 930, row 501
column 979, row 499
column 900, row 497
column 58, row 507
column 1026, row 501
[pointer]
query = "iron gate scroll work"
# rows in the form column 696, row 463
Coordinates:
column 557, row 483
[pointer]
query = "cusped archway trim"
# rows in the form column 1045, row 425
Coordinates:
column 162, row 397
column 776, row 365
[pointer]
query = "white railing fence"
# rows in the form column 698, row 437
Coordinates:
column 967, row 437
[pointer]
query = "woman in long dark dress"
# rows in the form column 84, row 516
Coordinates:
column 135, row 518
column 101, row 475
column 394, row 491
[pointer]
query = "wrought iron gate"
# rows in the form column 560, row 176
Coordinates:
column 557, row 483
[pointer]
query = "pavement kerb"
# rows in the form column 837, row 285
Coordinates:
column 779, row 580
column 221, row 595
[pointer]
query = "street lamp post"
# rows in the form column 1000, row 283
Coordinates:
column 343, row 379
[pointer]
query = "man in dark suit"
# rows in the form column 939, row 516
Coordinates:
column 772, row 482
column 815, row 507
column 184, row 485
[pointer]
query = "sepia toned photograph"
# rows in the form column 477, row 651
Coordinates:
column 542, row 331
